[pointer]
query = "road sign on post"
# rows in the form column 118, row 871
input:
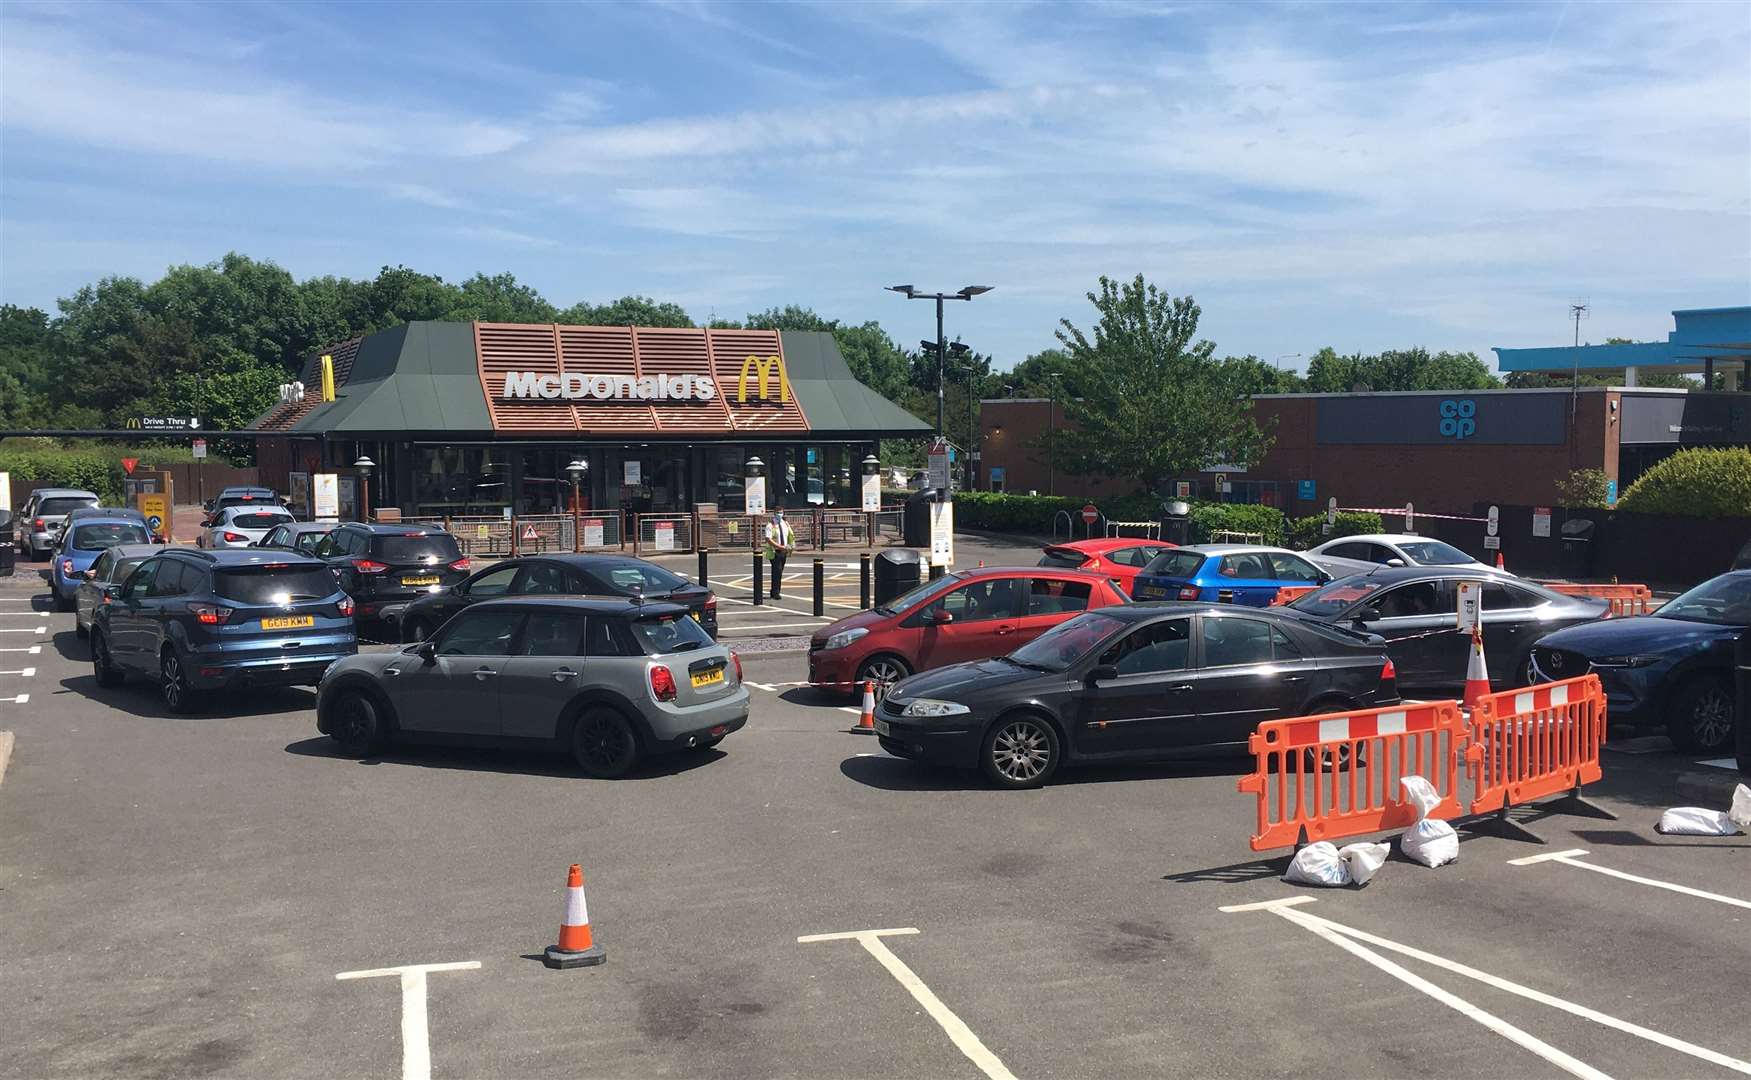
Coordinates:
column 1410, row 518
column 199, row 447
column 1331, row 515
column 156, row 510
column 1090, row 514
column 1470, row 597
column 1495, row 522
column 938, row 459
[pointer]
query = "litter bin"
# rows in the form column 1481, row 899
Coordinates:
column 1742, row 720
column 1176, row 520
column 917, row 520
column 1577, row 536
column 896, row 571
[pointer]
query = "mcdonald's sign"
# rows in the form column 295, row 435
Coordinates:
column 327, row 377
column 762, row 367
column 133, row 423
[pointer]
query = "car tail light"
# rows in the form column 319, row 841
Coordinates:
column 39, row 524
column 66, row 566
column 232, row 538
column 210, row 614
column 345, row 606
column 369, row 566
column 737, row 660
column 1188, row 592
column 711, row 605
column 461, row 564
column 662, row 683
column 1388, row 673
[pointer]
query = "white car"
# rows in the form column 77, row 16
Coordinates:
column 1360, row 554
column 242, row 526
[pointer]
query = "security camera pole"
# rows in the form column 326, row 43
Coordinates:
column 966, row 293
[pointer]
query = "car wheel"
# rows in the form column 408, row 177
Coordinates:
column 884, row 671
column 414, row 631
column 102, row 665
column 80, row 629
column 173, row 685
column 62, row 603
column 604, row 743
column 1020, row 752
column 356, row 724
column 1700, row 717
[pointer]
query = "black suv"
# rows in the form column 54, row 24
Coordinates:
column 386, row 567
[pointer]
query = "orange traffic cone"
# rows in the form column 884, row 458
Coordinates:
column 1501, row 563
column 1477, row 676
column 577, row 947
column 866, row 722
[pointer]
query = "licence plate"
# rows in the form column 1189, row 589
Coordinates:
column 1151, row 590
column 288, row 622
column 882, row 727
column 429, row 579
column 708, row 678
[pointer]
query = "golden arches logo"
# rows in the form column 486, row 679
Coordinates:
column 133, row 423
column 762, row 367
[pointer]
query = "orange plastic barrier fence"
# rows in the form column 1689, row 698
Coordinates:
column 1286, row 593
column 1535, row 742
column 1324, row 777
column 1625, row 599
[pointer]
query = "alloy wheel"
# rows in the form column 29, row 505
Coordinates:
column 884, row 673
column 1711, row 718
column 605, row 743
column 171, row 674
column 1021, row 751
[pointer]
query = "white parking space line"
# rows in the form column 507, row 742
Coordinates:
column 416, row 1049
column 722, row 630
column 32, row 650
column 1336, row 932
column 19, row 700
column 959, row 1033
column 1721, row 763
column 1572, row 858
column 27, row 672
column 33, row 630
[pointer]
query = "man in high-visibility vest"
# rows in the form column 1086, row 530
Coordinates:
column 780, row 539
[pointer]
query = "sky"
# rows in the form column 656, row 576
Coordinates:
column 1364, row 177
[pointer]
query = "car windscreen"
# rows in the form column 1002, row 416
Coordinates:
column 1068, row 642
column 109, row 534
column 1336, row 598
column 273, row 584
column 62, row 506
column 1724, row 601
column 429, row 548
column 1175, row 564
column 1434, row 553
column 911, row 598
column 1063, row 558
column 630, row 578
column 669, row 634
column 258, row 521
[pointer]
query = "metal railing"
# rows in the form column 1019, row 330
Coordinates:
column 1150, row 530
column 662, row 534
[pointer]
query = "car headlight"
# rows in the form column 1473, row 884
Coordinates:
column 931, row 707
column 1625, row 661
column 845, row 637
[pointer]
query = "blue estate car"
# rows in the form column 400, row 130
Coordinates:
column 1671, row 668
column 1224, row 573
column 193, row 621
column 84, row 540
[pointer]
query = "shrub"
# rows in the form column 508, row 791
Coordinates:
column 1308, row 531
column 1002, row 512
column 94, row 470
column 1583, row 489
column 1700, row 482
column 1209, row 518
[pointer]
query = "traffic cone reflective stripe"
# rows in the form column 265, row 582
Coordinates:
column 867, row 720
column 1501, row 563
column 1477, row 676
column 577, row 945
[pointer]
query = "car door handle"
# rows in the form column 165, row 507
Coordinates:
column 391, row 671
column 484, row 673
column 1294, row 678
column 1182, row 688
column 562, row 674
column 1006, row 629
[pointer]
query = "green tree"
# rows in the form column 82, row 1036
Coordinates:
column 1253, row 376
column 627, row 311
column 1583, row 489
column 1397, row 370
column 1154, row 402
column 500, row 298
column 1033, row 377
column 1699, row 482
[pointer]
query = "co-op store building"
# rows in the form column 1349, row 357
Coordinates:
column 481, row 419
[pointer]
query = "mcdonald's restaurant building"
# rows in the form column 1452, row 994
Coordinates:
column 481, row 419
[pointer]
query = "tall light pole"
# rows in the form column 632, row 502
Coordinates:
column 967, row 292
column 1052, row 378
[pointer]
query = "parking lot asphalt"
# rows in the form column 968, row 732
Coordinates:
column 178, row 894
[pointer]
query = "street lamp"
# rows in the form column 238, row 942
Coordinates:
column 967, row 292
column 576, row 471
column 1052, row 431
column 364, row 465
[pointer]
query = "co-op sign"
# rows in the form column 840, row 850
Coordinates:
column 577, row 385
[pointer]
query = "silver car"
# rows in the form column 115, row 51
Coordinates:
column 41, row 517
column 608, row 680
column 110, row 569
column 1365, row 553
column 242, row 526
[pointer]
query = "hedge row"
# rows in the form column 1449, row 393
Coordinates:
column 35, row 462
column 999, row 512
column 1699, row 482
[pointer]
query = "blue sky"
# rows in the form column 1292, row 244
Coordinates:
column 1360, row 176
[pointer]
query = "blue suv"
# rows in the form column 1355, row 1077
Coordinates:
column 85, row 539
column 195, row 621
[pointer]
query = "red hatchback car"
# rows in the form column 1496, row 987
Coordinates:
column 1118, row 557
column 967, row 615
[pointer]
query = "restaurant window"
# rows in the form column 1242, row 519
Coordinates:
column 462, row 481
column 545, row 488
column 728, row 472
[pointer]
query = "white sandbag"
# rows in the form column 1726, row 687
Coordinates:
column 1317, row 864
column 1695, row 821
column 1430, row 841
column 1740, row 814
column 1363, row 860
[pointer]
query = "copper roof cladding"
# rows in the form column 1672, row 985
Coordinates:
column 282, row 416
column 546, row 349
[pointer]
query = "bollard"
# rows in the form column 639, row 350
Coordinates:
column 759, row 576
column 863, row 581
column 704, row 580
column 820, row 587
column 936, row 571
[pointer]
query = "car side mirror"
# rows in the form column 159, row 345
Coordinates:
column 937, row 616
column 1102, row 671
column 1367, row 613
column 1395, row 562
column 427, row 652
column 112, row 591
column 91, row 574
